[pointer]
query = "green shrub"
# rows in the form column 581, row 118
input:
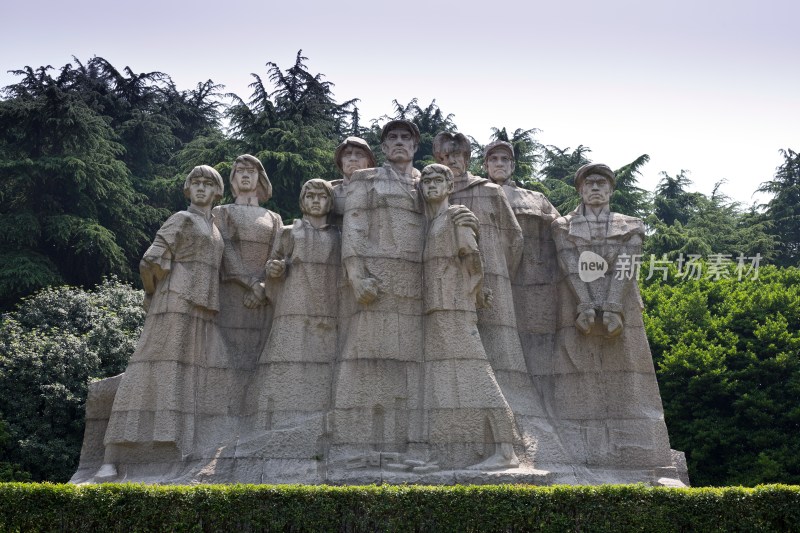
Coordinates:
column 128, row 507
column 727, row 354
column 51, row 346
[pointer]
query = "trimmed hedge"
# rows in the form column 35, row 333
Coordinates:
column 133, row 507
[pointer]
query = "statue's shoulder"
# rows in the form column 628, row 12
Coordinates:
column 562, row 223
column 495, row 188
column 627, row 224
column 365, row 174
column 474, row 181
column 182, row 217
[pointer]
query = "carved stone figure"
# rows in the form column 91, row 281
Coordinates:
column 376, row 403
column 604, row 388
column 250, row 233
column 402, row 379
column 352, row 154
column 295, row 370
column 500, row 242
column 155, row 410
column 534, row 284
column 377, row 400
column 462, row 397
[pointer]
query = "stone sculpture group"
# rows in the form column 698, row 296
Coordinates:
column 432, row 327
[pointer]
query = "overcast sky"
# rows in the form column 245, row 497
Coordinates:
column 708, row 86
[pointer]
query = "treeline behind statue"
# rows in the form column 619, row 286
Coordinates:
column 92, row 160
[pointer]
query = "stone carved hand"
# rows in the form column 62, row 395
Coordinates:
column 464, row 217
column 276, row 268
column 255, row 297
column 485, row 298
column 585, row 321
column 154, row 267
column 366, row 290
column 613, row 323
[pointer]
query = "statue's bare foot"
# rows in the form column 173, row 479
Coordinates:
column 504, row 457
column 107, row 471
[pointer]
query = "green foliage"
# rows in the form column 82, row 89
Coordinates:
column 629, row 199
column 68, row 203
column 727, row 354
column 9, row 471
column 783, row 210
column 610, row 508
column 692, row 223
column 83, row 158
column 293, row 130
column 673, row 202
column 51, row 346
column 558, row 181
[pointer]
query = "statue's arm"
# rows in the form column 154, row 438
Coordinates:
column 620, row 285
column 156, row 263
column 512, row 232
column 355, row 241
column 232, row 265
column 568, row 258
column 281, row 253
column 471, row 258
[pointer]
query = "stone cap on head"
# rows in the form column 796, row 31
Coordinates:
column 400, row 123
column 498, row 145
column 594, row 168
column 357, row 142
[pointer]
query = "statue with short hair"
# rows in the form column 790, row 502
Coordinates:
column 534, row 282
column 462, row 397
column 352, row 154
column 155, row 410
column 500, row 242
column 377, row 405
column 295, row 371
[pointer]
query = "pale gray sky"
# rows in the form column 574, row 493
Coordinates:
column 708, row 86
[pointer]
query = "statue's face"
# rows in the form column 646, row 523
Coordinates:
column 316, row 202
column 353, row 158
column 202, row 190
column 596, row 190
column 245, row 177
column 399, row 146
column 454, row 158
column 435, row 187
column 499, row 165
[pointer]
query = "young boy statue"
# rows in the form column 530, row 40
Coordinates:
column 462, row 397
column 296, row 367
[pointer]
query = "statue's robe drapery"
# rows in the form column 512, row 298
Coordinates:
column 501, row 243
column 250, row 233
column 161, row 393
column 462, row 396
column 296, row 367
column 377, row 403
column 604, row 391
